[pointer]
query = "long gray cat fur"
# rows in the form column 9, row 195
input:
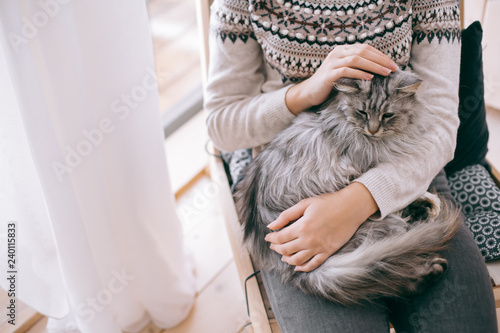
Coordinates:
column 363, row 124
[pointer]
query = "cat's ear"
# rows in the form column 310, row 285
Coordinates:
column 346, row 85
column 409, row 83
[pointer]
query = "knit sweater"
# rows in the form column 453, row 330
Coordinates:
column 259, row 48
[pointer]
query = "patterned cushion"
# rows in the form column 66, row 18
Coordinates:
column 479, row 198
column 236, row 162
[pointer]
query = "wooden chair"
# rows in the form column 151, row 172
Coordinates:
column 259, row 310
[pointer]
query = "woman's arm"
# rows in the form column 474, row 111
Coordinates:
column 435, row 57
column 240, row 114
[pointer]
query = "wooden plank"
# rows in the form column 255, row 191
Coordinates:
column 274, row 326
column 185, row 152
column 258, row 314
column 204, row 232
column 496, row 294
column 176, row 52
column 175, row 58
column 28, row 319
column 495, row 174
column 184, row 188
column 494, row 270
column 462, row 14
column 179, row 86
column 498, row 319
column 25, row 316
column 203, row 18
column 219, row 308
column 39, row 326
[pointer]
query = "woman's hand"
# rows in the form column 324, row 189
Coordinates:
column 354, row 61
column 324, row 225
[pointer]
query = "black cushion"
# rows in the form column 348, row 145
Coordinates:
column 472, row 136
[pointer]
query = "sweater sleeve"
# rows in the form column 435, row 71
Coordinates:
column 435, row 57
column 239, row 113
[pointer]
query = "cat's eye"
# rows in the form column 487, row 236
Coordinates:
column 387, row 115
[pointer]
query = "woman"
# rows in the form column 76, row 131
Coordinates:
column 271, row 60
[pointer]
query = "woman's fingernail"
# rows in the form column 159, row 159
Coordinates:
column 386, row 71
column 368, row 76
column 271, row 225
column 393, row 66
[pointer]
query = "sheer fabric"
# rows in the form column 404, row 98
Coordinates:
column 83, row 170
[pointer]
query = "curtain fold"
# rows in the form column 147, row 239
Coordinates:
column 83, row 170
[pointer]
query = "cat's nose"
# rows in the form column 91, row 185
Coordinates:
column 373, row 127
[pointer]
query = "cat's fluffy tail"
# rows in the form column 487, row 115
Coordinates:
column 400, row 262
column 248, row 206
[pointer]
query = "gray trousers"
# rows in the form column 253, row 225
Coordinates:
column 462, row 301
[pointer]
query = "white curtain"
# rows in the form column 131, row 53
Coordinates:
column 83, row 170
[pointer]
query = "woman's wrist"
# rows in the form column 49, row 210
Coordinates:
column 359, row 201
column 368, row 205
column 297, row 98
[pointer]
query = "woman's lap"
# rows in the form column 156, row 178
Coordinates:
column 301, row 313
column 462, row 301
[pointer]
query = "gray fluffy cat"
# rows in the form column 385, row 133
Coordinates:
column 365, row 123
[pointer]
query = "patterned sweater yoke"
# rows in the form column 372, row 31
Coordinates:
column 296, row 36
column 259, row 48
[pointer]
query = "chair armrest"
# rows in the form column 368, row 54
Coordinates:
column 257, row 310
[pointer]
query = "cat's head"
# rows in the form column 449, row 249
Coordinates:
column 382, row 106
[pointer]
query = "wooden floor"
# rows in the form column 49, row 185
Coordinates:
column 220, row 303
column 176, row 48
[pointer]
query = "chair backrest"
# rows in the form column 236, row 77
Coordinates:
column 461, row 13
column 203, row 18
column 256, row 308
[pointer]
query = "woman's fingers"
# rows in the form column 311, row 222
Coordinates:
column 289, row 248
column 298, row 258
column 359, row 62
column 367, row 52
column 312, row 264
column 287, row 234
column 371, row 53
column 280, row 237
column 371, row 49
column 291, row 214
column 349, row 72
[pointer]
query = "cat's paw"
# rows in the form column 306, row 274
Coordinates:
column 435, row 203
column 428, row 274
column 437, row 267
column 427, row 206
